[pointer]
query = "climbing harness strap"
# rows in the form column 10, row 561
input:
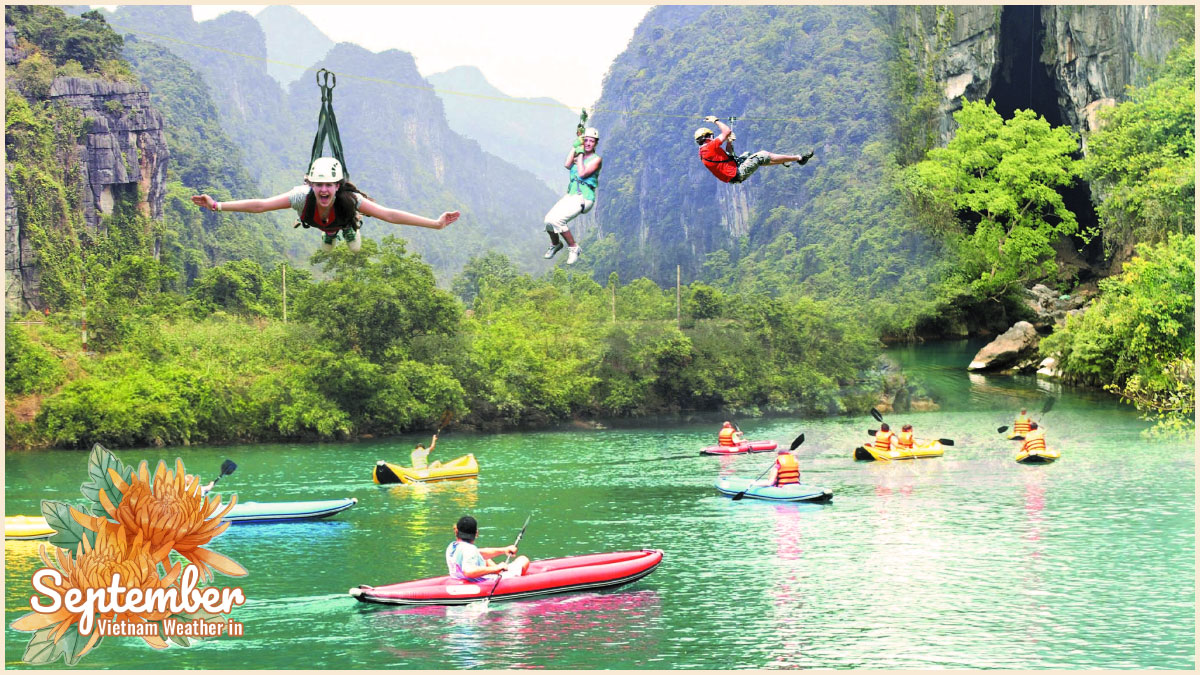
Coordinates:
column 327, row 123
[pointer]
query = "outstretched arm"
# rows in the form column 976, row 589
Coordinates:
column 243, row 205
column 725, row 130
column 370, row 208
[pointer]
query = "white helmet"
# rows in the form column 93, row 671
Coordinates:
column 702, row 132
column 326, row 170
column 591, row 132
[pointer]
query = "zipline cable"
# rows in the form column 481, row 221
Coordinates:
column 393, row 83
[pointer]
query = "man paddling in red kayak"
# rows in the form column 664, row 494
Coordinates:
column 466, row 561
column 729, row 436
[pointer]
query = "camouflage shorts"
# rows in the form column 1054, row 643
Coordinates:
column 748, row 163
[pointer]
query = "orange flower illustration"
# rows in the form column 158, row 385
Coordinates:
column 93, row 568
column 167, row 513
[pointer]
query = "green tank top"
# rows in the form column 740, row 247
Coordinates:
column 584, row 186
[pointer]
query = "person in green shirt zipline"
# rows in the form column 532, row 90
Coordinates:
column 330, row 203
column 584, row 165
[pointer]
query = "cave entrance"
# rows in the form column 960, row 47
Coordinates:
column 1022, row 81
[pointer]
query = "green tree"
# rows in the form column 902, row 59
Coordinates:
column 1143, row 158
column 1001, row 178
column 1138, row 338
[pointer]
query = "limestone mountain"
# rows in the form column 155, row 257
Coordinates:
column 293, row 42
column 533, row 133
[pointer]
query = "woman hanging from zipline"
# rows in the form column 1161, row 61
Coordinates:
column 584, row 166
column 330, row 203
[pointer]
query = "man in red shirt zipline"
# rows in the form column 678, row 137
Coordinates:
column 729, row 167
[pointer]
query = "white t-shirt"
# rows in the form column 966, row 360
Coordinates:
column 460, row 554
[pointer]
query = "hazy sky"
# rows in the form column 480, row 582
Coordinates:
column 523, row 50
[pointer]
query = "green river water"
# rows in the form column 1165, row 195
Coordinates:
column 965, row 561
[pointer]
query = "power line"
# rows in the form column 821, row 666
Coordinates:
column 490, row 97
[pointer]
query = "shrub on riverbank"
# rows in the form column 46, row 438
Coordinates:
column 1138, row 337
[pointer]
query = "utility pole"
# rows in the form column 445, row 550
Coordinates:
column 677, row 296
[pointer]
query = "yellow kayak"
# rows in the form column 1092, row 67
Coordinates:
column 26, row 527
column 1037, row 456
column 456, row 469
column 867, row 452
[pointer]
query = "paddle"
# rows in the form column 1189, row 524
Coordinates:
column 446, row 417
column 943, row 441
column 227, row 467
column 1045, row 409
column 795, row 444
column 484, row 606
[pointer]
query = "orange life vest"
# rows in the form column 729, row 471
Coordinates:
column 883, row 440
column 787, row 470
column 905, row 439
column 1035, row 441
column 1021, row 426
column 725, row 438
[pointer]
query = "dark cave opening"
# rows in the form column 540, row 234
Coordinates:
column 1022, row 81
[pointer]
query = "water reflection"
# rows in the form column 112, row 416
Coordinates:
column 526, row 633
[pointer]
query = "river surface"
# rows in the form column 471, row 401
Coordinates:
column 965, row 561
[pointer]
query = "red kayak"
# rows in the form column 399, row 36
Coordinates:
column 554, row 575
column 743, row 447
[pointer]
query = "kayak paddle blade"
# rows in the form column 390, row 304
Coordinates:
column 946, row 441
column 872, row 432
column 1002, row 429
column 227, row 467
column 796, row 443
column 875, row 413
column 1049, row 404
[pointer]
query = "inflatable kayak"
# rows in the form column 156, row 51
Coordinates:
column 743, row 447
column 455, row 469
column 26, row 527
column 1037, row 456
column 544, row 577
column 796, row 492
column 867, row 452
column 284, row 512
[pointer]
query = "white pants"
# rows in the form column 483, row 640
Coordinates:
column 565, row 211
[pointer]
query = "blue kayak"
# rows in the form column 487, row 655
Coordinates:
column 283, row 512
column 796, row 492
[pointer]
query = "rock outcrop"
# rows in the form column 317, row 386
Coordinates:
column 125, row 149
column 1051, row 309
column 1016, row 349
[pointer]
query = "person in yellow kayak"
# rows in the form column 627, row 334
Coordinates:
column 1035, row 440
column 420, row 455
column 729, row 437
column 466, row 561
column 786, row 470
column 1021, row 425
column 885, row 438
column 904, row 439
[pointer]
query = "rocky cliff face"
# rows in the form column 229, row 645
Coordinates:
column 123, row 156
column 124, row 152
column 1065, row 62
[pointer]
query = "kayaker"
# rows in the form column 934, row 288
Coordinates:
column 420, row 455
column 786, row 470
column 729, row 167
column 466, row 561
column 330, row 203
column 729, row 437
column 1035, row 440
column 905, row 439
column 1021, row 425
column 584, row 165
column 884, row 438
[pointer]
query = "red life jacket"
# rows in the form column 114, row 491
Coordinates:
column 787, row 470
column 883, row 440
column 905, row 439
column 1021, row 426
column 725, row 438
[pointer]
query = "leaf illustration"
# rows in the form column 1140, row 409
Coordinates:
column 42, row 649
column 74, row 644
column 99, row 462
column 68, row 533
